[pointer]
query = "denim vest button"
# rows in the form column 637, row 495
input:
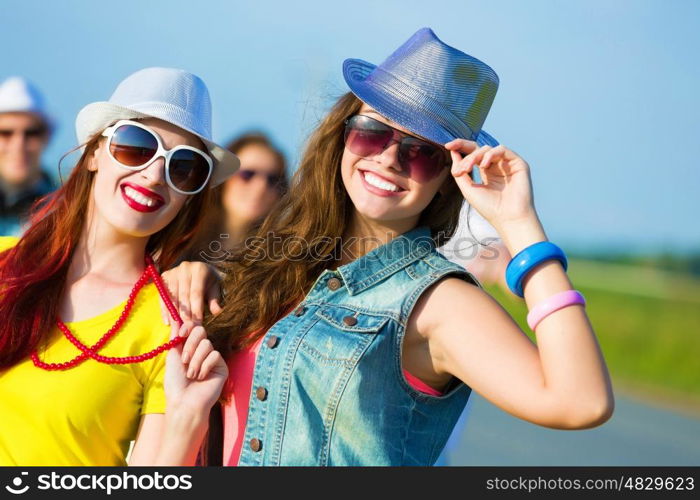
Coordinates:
column 261, row 393
column 334, row 284
column 299, row 311
column 350, row 320
column 255, row 444
column 273, row 341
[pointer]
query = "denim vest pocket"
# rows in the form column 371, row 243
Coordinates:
column 342, row 334
column 361, row 322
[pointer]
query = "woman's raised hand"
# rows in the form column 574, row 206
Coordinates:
column 191, row 284
column 506, row 192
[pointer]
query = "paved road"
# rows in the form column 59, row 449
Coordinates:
column 637, row 434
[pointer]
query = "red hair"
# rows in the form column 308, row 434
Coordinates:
column 33, row 273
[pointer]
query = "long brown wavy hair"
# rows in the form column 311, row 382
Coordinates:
column 33, row 272
column 309, row 220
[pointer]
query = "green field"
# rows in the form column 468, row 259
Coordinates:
column 648, row 325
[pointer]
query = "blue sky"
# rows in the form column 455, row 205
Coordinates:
column 599, row 97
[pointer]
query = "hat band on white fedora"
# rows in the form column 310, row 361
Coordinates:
column 168, row 112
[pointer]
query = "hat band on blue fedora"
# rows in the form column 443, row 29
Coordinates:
column 429, row 105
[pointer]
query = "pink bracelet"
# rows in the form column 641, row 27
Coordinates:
column 553, row 303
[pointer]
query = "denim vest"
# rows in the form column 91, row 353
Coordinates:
column 328, row 387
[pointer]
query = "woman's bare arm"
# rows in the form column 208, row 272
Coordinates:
column 560, row 382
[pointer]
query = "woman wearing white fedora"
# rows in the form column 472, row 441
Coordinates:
column 83, row 359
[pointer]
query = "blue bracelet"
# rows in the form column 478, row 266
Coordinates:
column 528, row 258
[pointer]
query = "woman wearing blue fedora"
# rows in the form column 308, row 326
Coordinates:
column 353, row 341
column 83, row 361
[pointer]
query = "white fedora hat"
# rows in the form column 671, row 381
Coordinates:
column 172, row 95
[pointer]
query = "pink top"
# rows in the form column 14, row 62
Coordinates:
column 235, row 408
column 241, row 366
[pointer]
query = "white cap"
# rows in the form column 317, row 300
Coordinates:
column 19, row 95
column 467, row 242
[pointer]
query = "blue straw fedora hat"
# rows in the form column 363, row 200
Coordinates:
column 172, row 95
column 429, row 88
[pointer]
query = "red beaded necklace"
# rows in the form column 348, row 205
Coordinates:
column 92, row 352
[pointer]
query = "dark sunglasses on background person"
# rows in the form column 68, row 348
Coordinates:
column 422, row 160
column 134, row 146
column 273, row 180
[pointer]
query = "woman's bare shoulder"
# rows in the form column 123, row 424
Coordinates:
column 447, row 300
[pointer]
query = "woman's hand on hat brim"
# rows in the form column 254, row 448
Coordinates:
column 506, row 190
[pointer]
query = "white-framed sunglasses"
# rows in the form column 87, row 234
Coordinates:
column 135, row 146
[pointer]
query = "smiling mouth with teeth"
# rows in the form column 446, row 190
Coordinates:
column 139, row 201
column 135, row 195
column 379, row 183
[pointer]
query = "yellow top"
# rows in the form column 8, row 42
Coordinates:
column 86, row 415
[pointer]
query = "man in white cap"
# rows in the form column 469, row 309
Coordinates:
column 25, row 128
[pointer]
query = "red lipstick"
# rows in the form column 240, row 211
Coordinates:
column 140, row 207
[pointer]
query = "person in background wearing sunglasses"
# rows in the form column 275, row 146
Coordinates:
column 362, row 344
column 244, row 200
column 82, row 347
column 25, row 129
